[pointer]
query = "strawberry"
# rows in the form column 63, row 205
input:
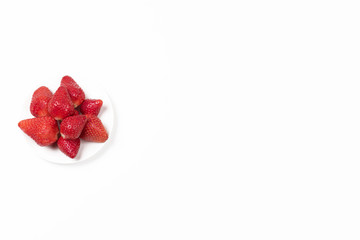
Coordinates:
column 39, row 102
column 91, row 106
column 76, row 112
column 60, row 105
column 69, row 146
column 43, row 130
column 77, row 95
column 94, row 130
column 71, row 127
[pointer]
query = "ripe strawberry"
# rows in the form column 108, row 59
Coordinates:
column 77, row 95
column 71, row 127
column 39, row 102
column 43, row 130
column 69, row 146
column 94, row 130
column 76, row 112
column 91, row 106
column 60, row 105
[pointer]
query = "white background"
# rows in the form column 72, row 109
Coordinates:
column 234, row 119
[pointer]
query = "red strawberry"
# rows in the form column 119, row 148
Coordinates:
column 76, row 112
column 71, row 127
column 60, row 105
column 94, row 130
column 76, row 93
column 43, row 130
column 91, row 106
column 69, row 146
column 39, row 102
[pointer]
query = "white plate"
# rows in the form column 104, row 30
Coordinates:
column 87, row 149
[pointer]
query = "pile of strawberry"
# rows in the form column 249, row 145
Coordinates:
column 66, row 112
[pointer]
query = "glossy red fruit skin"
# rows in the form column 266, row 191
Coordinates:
column 91, row 106
column 77, row 95
column 71, row 127
column 60, row 105
column 94, row 130
column 70, row 147
column 76, row 112
column 39, row 102
column 44, row 130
